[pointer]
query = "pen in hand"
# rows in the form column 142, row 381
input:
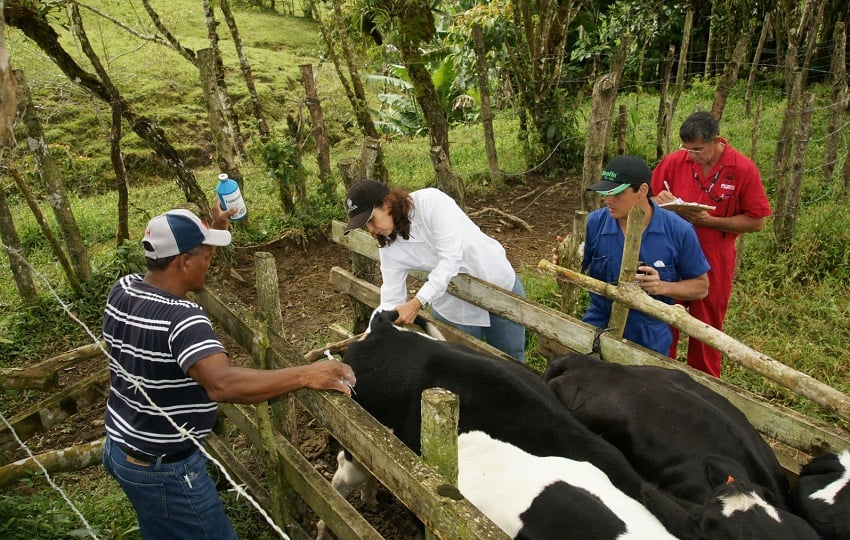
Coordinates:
column 667, row 187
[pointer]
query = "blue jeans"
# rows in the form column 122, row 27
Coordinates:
column 505, row 335
column 172, row 500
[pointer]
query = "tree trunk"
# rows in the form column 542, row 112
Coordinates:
column 838, row 104
column 186, row 53
column 710, row 44
column 599, row 124
column 795, row 35
column 681, row 69
column 662, row 135
column 783, row 150
column 12, row 246
column 844, row 193
column 231, row 124
column 115, row 132
column 730, row 76
column 811, row 41
column 73, row 280
column 122, row 185
column 262, row 126
column 622, row 129
column 486, row 110
column 536, row 63
column 322, row 151
column 755, row 65
column 226, row 152
column 786, row 223
column 435, row 118
column 55, row 190
column 756, row 121
column 8, row 91
column 354, row 91
column 47, row 40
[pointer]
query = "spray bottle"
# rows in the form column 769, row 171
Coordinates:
column 230, row 197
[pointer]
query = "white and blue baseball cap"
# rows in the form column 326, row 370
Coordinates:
column 179, row 231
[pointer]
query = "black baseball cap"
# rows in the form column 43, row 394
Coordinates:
column 363, row 196
column 620, row 173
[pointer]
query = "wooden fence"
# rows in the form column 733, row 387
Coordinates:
column 794, row 436
column 291, row 481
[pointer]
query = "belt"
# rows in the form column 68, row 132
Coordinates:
column 140, row 458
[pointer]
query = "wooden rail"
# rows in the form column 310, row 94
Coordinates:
column 782, row 424
column 414, row 483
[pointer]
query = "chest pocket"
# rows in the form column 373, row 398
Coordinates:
column 600, row 269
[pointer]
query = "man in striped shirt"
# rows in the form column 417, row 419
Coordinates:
column 168, row 370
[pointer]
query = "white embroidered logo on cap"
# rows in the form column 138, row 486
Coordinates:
column 350, row 205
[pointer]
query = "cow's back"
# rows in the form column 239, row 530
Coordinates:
column 504, row 399
column 665, row 423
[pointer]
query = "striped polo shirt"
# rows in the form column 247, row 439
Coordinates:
column 153, row 338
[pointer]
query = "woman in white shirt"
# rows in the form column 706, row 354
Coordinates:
column 426, row 230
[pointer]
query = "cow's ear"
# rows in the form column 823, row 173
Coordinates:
column 719, row 468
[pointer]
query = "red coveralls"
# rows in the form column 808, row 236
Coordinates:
column 734, row 187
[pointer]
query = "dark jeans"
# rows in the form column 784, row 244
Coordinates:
column 175, row 500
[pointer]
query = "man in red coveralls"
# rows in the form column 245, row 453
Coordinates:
column 707, row 170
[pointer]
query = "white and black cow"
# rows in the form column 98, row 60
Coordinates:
column 737, row 509
column 504, row 400
column 530, row 496
column 666, row 424
column 822, row 495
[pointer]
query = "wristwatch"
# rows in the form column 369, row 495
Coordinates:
column 422, row 301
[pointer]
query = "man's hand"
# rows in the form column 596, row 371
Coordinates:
column 665, row 197
column 555, row 256
column 221, row 218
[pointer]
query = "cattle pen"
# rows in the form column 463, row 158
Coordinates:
column 794, row 437
column 292, row 481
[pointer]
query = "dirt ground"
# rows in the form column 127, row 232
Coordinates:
column 309, row 304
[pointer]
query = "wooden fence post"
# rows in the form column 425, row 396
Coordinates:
column 786, row 223
column 368, row 165
column 569, row 257
column 279, row 414
column 315, row 108
column 438, row 434
column 628, row 267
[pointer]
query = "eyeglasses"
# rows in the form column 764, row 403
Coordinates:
column 699, row 150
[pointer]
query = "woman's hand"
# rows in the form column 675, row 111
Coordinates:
column 408, row 311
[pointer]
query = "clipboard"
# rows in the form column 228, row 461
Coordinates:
column 682, row 205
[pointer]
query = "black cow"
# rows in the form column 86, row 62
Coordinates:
column 513, row 409
column 666, row 424
column 737, row 509
column 822, row 495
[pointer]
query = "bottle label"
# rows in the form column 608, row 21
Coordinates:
column 234, row 200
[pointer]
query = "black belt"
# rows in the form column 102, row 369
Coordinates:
column 147, row 459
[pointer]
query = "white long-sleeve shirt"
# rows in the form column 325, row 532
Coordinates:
column 444, row 242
